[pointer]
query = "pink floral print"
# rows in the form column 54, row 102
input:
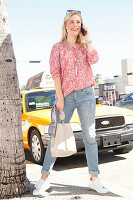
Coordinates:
column 64, row 60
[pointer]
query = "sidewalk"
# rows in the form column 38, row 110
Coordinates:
column 67, row 185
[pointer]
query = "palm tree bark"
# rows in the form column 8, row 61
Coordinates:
column 13, row 181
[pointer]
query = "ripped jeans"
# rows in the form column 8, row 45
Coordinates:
column 84, row 101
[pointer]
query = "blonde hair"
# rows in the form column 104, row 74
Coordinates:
column 64, row 31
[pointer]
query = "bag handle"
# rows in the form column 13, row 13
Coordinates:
column 62, row 117
column 53, row 124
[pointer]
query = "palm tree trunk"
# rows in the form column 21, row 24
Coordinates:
column 13, row 181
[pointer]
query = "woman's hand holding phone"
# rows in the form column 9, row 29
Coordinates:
column 86, row 38
column 85, row 33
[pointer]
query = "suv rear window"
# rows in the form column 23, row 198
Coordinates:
column 39, row 100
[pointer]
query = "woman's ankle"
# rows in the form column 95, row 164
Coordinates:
column 44, row 177
column 93, row 177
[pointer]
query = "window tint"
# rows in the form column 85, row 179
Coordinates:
column 39, row 100
column 129, row 98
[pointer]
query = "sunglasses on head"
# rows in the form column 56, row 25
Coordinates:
column 69, row 11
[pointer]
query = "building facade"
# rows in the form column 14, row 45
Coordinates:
column 114, row 89
column 127, row 74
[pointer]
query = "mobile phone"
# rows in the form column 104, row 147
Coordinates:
column 83, row 30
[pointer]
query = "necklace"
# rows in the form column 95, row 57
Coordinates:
column 74, row 58
column 75, row 62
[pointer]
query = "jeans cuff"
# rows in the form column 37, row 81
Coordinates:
column 45, row 172
column 94, row 172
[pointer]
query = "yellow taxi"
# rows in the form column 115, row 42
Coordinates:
column 114, row 125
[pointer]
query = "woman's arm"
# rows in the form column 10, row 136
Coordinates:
column 92, row 55
column 58, row 88
column 55, row 72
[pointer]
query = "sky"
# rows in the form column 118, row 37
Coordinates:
column 36, row 25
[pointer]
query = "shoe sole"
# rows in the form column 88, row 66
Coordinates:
column 91, row 189
column 46, row 193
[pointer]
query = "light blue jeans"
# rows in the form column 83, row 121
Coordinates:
column 84, row 101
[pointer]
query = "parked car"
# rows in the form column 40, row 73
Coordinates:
column 126, row 101
column 99, row 100
column 114, row 126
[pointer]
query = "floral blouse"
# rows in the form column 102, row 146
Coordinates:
column 73, row 65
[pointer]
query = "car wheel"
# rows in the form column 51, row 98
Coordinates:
column 37, row 147
column 123, row 150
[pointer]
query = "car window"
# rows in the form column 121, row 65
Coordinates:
column 39, row 100
column 129, row 98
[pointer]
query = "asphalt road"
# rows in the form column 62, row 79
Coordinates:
column 69, row 179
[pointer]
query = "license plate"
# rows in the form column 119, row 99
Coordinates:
column 111, row 140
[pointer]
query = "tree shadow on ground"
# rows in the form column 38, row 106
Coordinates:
column 74, row 192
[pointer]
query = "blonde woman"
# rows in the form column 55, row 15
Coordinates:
column 70, row 67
